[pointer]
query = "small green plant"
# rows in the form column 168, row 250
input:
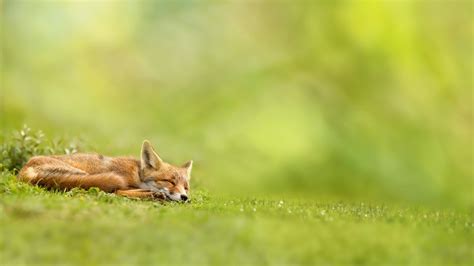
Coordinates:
column 25, row 143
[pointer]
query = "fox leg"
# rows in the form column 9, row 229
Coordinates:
column 140, row 193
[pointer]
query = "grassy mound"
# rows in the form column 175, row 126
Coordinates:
column 91, row 227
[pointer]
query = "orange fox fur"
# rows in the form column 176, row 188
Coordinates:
column 149, row 177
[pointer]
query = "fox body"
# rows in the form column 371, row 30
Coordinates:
column 149, row 177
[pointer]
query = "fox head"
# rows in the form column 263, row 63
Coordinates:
column 160, row 176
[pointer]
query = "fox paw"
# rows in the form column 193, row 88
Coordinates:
column 159, row 196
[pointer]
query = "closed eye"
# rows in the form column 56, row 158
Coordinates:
column 171, row 182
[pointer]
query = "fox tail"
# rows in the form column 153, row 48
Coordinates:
column 62, row 178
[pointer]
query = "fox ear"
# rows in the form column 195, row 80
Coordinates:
column 188, row 166
column 149, row 158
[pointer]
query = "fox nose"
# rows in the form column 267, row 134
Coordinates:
column 184, row 197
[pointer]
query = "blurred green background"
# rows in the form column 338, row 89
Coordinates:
column 338, row 99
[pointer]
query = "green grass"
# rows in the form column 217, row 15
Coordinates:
column 91, row 227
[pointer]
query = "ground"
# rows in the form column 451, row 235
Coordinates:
column 91, row 228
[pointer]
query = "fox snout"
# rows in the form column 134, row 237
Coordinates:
column 176, row 195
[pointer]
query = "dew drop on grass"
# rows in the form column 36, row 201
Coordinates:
column 280, row 204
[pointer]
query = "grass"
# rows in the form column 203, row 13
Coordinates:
column 91, row 227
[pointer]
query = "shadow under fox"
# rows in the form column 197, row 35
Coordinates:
column 149, row 177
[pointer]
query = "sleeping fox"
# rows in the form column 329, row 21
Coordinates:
column 149, row 177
